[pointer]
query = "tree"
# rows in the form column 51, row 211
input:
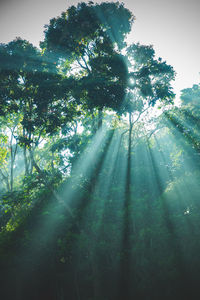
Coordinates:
column 9, row 130
column 149, row 79
column 87, row 40
column 191, row 95
column 92, row 52
column 185, row 118
column 33, row 89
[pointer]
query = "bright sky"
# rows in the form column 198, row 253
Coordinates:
column 171, row 26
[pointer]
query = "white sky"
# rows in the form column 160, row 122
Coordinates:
column 171, row 26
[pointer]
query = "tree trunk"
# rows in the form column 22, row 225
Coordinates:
column 125, row 272
column 13, row 151
column 5, row 179
column 100, row 118
column 11, row 174
column 25, row 161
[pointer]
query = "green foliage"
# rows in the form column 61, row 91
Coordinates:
column 3, row 149
column 83, row 204
column 35, row 90
column 151, row 77
column 91, row 48
column 102, row 25
column 191, row 95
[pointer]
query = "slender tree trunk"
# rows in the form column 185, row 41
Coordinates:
column 25, row 161
column 100, row 118
column 31, row 167
column 11, row 168
column 125, row 271
column 31, row 163
column 13, row 151
column 93, row 129
column 5, row 179
column 52, row 160
column 11, row 163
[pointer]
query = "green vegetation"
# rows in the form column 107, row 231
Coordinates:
column 99, row 193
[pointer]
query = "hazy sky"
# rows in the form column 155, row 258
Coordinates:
column 171, row 26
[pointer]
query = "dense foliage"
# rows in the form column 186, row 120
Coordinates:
column 99, row 194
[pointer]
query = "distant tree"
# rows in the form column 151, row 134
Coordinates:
column 191, row 95
column 149, row 80
column 186, row 118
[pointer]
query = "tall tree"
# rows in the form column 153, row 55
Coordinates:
column 87, row 40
